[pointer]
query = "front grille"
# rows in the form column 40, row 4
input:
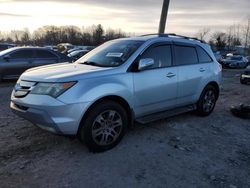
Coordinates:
column 23, row 88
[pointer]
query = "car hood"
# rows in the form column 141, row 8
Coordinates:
column 60, row 72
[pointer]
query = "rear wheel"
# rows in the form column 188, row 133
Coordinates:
column 207, row 101
column 104, row 126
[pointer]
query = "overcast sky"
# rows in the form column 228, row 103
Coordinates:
column 135, row 16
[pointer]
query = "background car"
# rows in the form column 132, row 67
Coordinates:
column 4, row 46
column 54, row 48
column 75, row 55
column 245, row 76
column 235, row 62
column 14, row 61
column 77, row 48
column 218, row 56
column 248, row 59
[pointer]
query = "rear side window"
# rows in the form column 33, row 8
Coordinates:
column 161, row 54
column 203, row 56
column 44, row 54
column 22, row 54
column 186, row 55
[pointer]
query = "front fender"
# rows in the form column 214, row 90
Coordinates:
column 91, row 90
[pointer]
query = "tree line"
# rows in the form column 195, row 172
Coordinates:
column 53, row 35
column 234, row 35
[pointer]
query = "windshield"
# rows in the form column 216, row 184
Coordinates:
column 111, row 54
column 237, row 58
column 234, row 58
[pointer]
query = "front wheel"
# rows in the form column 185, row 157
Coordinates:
column 242, row 81
column 207, row 101
column 104, row 126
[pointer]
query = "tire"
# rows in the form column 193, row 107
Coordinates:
column 243, row 81
column 105, row 125
column 207, row 101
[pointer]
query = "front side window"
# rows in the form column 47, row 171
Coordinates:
column 111, row 54
column 186, row 55
column 22, row 54
column 160, row 54
column 44, row 54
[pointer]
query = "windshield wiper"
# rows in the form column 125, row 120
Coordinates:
column 91, row 63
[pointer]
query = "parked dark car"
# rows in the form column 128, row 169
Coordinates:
column 14, row 61
column 245, row 76
column 4, row 46
column 75, row 55
column 235, row 62
column 248, row 59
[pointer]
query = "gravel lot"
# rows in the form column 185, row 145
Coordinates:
column 183, row 151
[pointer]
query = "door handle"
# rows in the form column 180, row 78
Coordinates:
column 170, row 75
column 202, row 70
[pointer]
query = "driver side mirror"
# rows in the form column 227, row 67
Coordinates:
column 145, row 63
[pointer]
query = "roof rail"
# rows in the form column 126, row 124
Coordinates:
column 174, row 35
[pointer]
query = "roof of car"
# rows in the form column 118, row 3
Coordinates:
column 170, row 36
column 30, row 48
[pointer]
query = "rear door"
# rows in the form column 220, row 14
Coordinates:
column 17, row 62
column 44, row 57
column 155, row 88
column 190, row 73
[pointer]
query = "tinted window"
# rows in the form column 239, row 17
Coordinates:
column 161, row 54
column 185, row 55
column 3, row 47
column 203, row 56
column 22, row 54
column 44, row 54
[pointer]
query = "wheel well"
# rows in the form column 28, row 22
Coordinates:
column 217, row 88
column 117, row 99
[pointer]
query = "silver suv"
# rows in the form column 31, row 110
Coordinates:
column 140, row 79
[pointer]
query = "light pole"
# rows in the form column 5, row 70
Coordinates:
column 164, row 15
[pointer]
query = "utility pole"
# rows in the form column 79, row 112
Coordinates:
column 164, row 15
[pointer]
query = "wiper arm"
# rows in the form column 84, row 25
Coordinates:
column 91, row 63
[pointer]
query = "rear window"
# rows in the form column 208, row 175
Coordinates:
column 186, row 55
column 203, row 56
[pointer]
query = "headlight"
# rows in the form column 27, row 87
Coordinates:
column 52, row 89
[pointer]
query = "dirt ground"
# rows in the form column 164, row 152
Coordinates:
column 183, row 151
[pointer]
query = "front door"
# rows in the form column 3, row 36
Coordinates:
column 155, row 88
column 17, row 62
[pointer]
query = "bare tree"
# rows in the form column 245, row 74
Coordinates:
column 25, row 38
column 219, row 40
column 202, row 33
column 246, row 35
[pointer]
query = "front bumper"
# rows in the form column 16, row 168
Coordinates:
column 49, row 113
